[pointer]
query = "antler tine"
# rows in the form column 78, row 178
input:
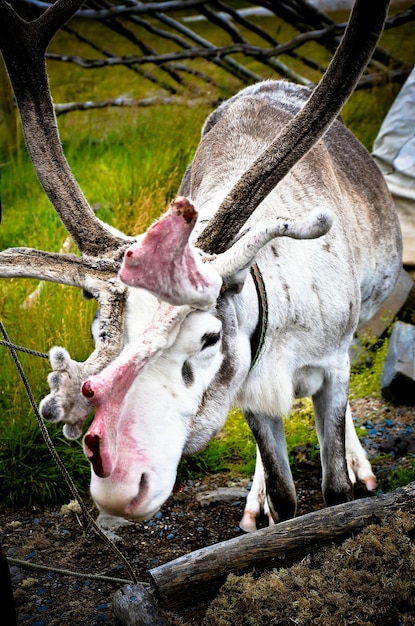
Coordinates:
column 56, row 267
column 23, row 45
column 348, row 63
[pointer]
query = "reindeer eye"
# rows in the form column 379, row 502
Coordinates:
column 209, row 340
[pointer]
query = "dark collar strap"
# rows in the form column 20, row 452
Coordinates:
column 258, row 337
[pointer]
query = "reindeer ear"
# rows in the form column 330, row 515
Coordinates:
column 166, row 264
column 233, row 265
column 233, row 283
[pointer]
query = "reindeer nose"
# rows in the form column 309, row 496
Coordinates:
column 132, row 259
column 87, row 390
column 92, row 443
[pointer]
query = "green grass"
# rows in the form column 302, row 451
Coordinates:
column 39, row 480
column 129, row 163
column 402, row 476
column 232, row 451
column 367, row 370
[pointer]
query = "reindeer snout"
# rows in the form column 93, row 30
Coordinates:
column 87, row 390
column 132, row 259
column 92, row 449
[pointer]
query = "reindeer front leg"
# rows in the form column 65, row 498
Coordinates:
column 256, row 501
column 276, row 477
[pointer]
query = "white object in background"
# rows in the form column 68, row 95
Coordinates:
column 394, row 152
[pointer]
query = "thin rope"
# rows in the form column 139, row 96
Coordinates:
column 58, row 460
column 67, row 572
column 43, row 355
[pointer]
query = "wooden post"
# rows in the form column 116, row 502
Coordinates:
column 8, row 612
column 134, row 605
column 197, row 576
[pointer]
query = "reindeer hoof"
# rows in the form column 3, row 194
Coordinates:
column 248, row 522
column 369, row 482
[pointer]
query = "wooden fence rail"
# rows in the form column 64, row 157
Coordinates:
column 166, row 48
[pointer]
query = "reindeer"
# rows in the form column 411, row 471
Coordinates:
column 247, row 291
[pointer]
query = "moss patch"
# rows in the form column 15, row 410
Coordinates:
column 367, row 580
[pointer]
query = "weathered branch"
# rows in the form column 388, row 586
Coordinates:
column 199, row 53
column 197, row 576
column 382, row 78
column 131, row 8
column 68, row 107
column 257, row 30
column 108, row 54
column 266, row 55
column 312, row 24
column 184, row 32
column 229, row 64
column 408, row 15
column 121, row 29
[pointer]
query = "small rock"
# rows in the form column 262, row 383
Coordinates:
column 14, row 525
column 222, row 494
column 72, row 507
column 398, row 375
column 379, row 323
column 109, row 524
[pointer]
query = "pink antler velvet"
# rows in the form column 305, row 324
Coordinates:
column 166, row 264
column 107, row 390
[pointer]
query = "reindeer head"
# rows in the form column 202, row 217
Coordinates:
column 164, row 388
column 169, row 392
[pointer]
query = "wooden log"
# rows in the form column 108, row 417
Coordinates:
column 197, row 576
column 134, row 605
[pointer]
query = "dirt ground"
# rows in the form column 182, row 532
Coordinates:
column 62, row 539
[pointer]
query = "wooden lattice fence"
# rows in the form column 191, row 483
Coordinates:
column 163, row 43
